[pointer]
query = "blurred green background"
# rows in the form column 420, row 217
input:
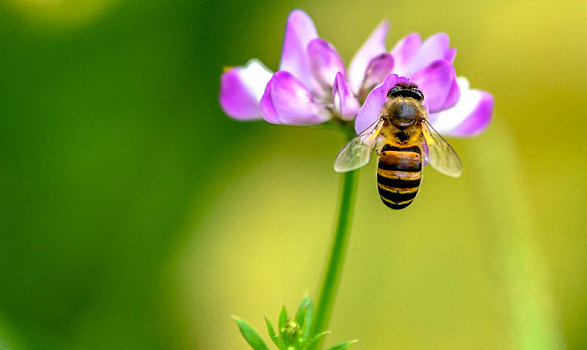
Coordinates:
column 135, row 214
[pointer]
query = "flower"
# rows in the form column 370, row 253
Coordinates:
column 313, row 85
column 454, row 109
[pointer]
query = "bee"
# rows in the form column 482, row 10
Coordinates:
column 405, row 141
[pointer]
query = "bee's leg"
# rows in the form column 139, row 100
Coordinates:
column 380, row 142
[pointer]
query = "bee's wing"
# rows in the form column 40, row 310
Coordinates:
column 441, row 155
column 358, row 151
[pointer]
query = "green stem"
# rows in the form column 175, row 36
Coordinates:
column 331, row 278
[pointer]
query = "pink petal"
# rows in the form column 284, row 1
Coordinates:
column 266, row 105
column 300, row 30
column 404, row 51
column 345, row 103
column 371, row 109
column 241, row 89
column 435, row 82
column 434, row 48
column 470, row 116
column 287, row 101
column 453, row 95
column 450, row 55
column 325, row 62
column 379, row 67
column 374, row 46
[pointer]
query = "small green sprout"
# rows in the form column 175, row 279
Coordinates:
column 291, row 334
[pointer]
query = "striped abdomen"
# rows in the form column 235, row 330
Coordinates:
column 398, row 175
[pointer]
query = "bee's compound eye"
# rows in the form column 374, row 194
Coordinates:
column 394, row 91
column 401, row 91
column 419, row 93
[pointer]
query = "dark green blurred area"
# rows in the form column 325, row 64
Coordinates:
column 134, row 214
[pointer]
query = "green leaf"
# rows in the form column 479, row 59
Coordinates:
column 282, row 319
column 306, row 302
column 274, row 337
column 304, row 316
column 316, row 338
column 343, row 345
column 250, row 335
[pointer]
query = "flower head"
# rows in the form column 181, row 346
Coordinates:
column 454, row 109
column 309, row 88
column 313, row 85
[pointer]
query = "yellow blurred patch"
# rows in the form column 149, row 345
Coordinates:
column 59, row 14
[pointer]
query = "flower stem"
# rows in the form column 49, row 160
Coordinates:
column 333, row 271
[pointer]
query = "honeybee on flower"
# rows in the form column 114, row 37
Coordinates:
column 313, row 86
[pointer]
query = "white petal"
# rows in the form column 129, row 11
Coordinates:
column 374, row 46
column 241, row 89
column 470, row 116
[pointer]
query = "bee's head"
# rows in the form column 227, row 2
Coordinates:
column 404, row 104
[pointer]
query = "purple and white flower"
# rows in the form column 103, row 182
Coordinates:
column 309, row 88
column 313, row 85
column 454, row 109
